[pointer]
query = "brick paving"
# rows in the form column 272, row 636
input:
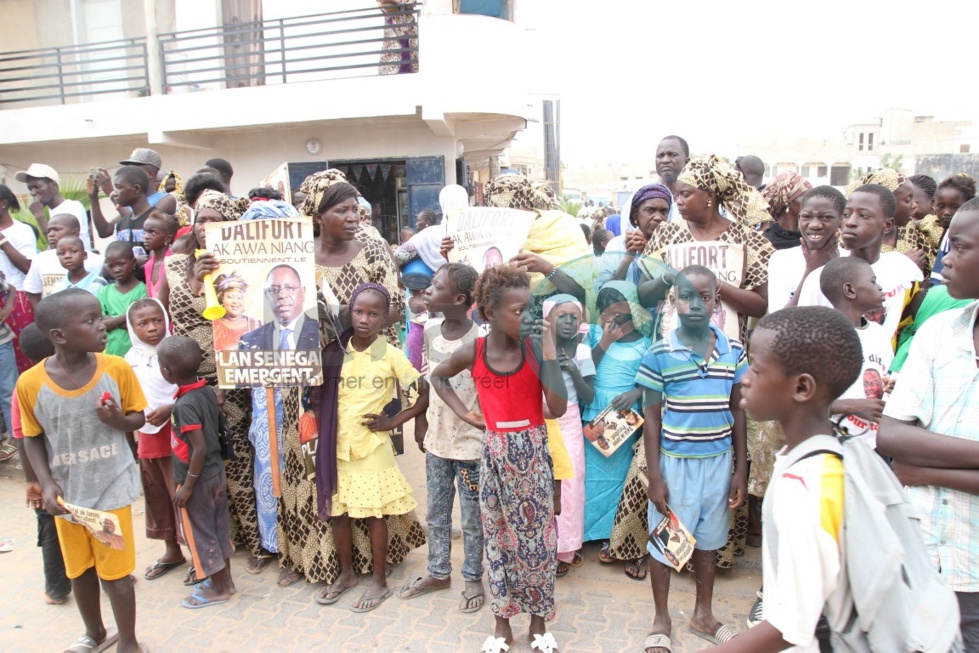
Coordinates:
column 598, row 608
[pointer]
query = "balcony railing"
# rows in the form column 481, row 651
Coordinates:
column 66, row 73
column 358, row 42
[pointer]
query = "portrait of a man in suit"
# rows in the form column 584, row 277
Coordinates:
column 287, row 326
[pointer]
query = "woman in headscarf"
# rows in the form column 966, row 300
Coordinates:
column 783, row 196
column 182, row 292
column 618, row 343
column 346, row 256
column 731, row 248
column 906, row 237
column 578, row 370
column 648, row 208
column 228, row 330
column 555, row 253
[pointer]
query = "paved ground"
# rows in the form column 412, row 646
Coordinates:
column 598, row 608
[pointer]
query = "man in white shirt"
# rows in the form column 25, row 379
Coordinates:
column 672, row 154
column 43, row 183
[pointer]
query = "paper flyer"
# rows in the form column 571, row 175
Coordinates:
column 104, row 526
column 266, row 283
column 673, row 540
column 279, row 180
column 485, row 237
column 611, row 428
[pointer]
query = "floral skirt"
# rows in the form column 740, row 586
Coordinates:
column 517, row 508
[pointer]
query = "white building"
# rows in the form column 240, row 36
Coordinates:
column 84, row 82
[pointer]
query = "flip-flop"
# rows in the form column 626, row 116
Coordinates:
column 604, row 555
column 562, row 568
column 577, row 561
column 323, row 599
column 657, row 640
column 466, row 606
column 191, row 577
column 86, row 644
column 413, row 589
column 379, row 600
column 206, row 583
column 195, row 602
column 162, row 568
column 289, row 577
column 260, row 564
column 724, row 633
column 636, row 569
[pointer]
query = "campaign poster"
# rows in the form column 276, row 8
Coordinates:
column 725, row 259
column 104, row 526
column 279, row 180
column 266, row 283
column 485, row 237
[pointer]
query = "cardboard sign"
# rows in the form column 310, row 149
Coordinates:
column 485, row 237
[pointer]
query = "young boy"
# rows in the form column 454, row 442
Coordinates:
column 802, row 360
column 868, row 216
column 452, row 447
column 79, row 409
column 198, row 471
column 931, row 424
column 696, row 371
column 850, row 285
column 117, row 297
column 45, row 269
column 57, row 587
column 72, row 256
column 131, row 193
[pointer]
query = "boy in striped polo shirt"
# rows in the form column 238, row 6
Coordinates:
column 696, row 372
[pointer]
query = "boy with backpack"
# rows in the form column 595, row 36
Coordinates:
column 842, row 571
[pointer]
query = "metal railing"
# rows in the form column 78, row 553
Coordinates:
column 304, row 48
column 74, row 71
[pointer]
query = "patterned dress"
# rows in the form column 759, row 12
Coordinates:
column 305, row 542
column 400, row 53
column 911, row 237
column 185, row 316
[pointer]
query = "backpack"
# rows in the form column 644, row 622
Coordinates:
column 899, row 601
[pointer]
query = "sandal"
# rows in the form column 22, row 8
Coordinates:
column 636, row 569
column 578, row 560
column 191, row 577
column 604, row 555
column 373, row 602
column 86, row 644
column 544, row 643
column 330, row 596
column 562, row 568
column 415, row 588
column 658, row 641
column 258, row 564
column 287, row 578
column 8, row 451
column 724, row 633
column 494, row 645
column 472, row 602
column 158, row 569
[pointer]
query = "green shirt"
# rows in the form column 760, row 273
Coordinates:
column 114, row 303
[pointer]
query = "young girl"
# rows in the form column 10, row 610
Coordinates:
column 369, row 483
column 618, row 343
column 578, row 371
column 516, row 471
column 148, row 326
column 159, row 230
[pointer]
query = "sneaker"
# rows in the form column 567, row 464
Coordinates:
column 8, row 450
column 757, row 614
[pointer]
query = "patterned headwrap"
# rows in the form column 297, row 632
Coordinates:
column 649, row 192
column 231, row 281
column 316, row 185
column 516, row 192
column 724, row 181
column 370, row 286
column 783, row 191
column 263, row 209
column 178, row 190
column 546, row 193
column 229, row 209
column 886, row 177
column 640, row 316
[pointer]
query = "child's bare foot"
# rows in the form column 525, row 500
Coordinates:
column 343, row 584
column 421, row 586
column 662, row 626
column 473, row 597
column 375, row 595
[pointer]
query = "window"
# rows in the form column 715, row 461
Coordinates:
column 839, row 175
column 805, row 171
column 860, row 147
column 821, row 171
column 870, row 142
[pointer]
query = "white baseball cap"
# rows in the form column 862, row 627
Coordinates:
column 39, row 171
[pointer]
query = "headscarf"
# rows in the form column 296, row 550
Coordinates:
column 566, row 303
column 784, row 190
column 547, row 196
column 263, row 209
column 232, row 281
column 720, row 178
column 650, row 192
column 886, row 177
column 229, row 209
column 316, row 185
column 516, row 192
column 453, row 198
column 640, row 316
column 142, row 358
column 183, row 214
column 326, row 449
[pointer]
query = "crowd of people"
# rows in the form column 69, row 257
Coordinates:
column 741, row 321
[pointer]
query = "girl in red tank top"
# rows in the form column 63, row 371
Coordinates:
column 516, row 496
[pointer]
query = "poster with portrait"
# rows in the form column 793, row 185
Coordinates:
column 485, row 237
column 611, row 428
column 725, row 259
column 104, row 526
column 266, row 283
column 672, row 539
column 279, row 180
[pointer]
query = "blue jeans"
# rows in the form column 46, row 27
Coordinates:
column 442, row 473
column 8, row 381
